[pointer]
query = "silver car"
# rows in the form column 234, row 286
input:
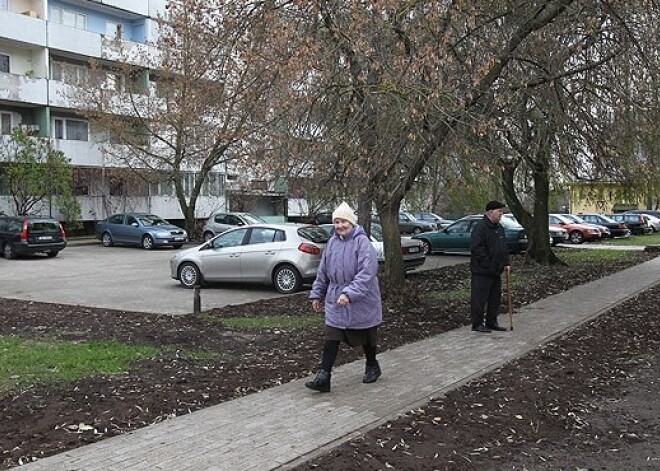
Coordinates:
column 218, row 223
column 282, row 255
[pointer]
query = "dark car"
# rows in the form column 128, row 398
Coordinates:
column 409, row 224
column 456, row 237
column 652, row 212
column 440, row 222
column 20, row 235
column 145, row 230
column 617, row 228
column 635, row 222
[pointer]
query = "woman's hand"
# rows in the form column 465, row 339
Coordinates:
column 343, row 300
column 316, row 305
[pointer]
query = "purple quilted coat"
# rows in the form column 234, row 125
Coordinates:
column 349, row 266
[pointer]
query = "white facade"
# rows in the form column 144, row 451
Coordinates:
column 41, row 42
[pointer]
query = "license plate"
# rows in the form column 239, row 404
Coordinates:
column 45, row 238
column 178, row 238
column 413, row 249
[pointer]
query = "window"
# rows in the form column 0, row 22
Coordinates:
column 70, row 73
column 113, row 30
column 5, row 123
column 4, row 63
column 68, row 18
column 71, row 129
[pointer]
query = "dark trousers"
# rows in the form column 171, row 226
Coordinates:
column 485, row 294
column 331, row 349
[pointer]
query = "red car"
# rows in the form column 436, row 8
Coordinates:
column 577, row 233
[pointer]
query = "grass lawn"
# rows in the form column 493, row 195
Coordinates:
column 648, row 239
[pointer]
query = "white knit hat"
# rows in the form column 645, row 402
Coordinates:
column 344, row 211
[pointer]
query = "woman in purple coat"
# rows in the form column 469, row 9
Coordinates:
column 347, row 284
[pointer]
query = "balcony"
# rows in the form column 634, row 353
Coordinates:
column 78, row 41
column 125, row 51
column 23, row 28
column 20, row 88
column 81, row 152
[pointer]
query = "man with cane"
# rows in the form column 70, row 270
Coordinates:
column 489, row 258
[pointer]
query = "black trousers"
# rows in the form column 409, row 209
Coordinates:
column 485, row 295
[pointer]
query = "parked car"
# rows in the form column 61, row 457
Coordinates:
column 218, row 223
column 653, row 222
column 556, row 235
column 604, row 231
column 652, row 212
column 439, row 221
column 635, row 222
column 409, row 224
column 617, row 229
column 141, row 229
column 411, row 250
column 20, row 235
column 322, row 218
column 282, row 255
column 577, row 233
column 456, row 237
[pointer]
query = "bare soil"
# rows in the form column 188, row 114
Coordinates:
column 589, row 397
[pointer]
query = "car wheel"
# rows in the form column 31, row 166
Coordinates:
column 52, row 253
column 287, row 279
column 106, row 239
column 147, row 242
column 576, row 237
column 426, row 246
column 417, row 230
column 177, row 246
column 189, row 275
column 208, row 236
column 8, row 252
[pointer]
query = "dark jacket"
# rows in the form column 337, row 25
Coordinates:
column 489, row 252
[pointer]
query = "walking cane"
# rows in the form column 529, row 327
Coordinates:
column 508, row 292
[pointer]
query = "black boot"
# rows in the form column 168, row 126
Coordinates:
column 371, row 373
column 321, row 383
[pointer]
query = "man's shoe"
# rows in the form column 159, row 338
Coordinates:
column 480, row 328
column 371, row 373
column 496, row 328
column 321, row 383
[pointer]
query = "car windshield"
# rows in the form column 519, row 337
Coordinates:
column 607, row 219
column 252, row 219
column 510, row 223
column 152, row 220
column 314, row 233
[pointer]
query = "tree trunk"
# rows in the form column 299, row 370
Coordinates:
column 394, row 275
column 539, row 249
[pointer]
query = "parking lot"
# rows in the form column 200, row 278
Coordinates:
column 126, row 278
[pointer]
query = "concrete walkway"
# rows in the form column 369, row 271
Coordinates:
column 286, row 425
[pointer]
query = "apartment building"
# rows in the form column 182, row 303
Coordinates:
column 45, row 46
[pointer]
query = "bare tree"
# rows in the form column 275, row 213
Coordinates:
column 200, row 102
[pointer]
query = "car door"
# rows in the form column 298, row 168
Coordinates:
column 133, row 230
column 458, row 236
column 222, row 260
column 117, row 228
column 260, row 253
column 405, row 224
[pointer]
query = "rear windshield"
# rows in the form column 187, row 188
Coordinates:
column 44, row 226
column 316, row 234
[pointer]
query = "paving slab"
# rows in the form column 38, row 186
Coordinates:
column 287, row 425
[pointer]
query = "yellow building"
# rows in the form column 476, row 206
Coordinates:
column 605, row 198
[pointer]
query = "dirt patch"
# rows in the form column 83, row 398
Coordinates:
column 41, row 421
